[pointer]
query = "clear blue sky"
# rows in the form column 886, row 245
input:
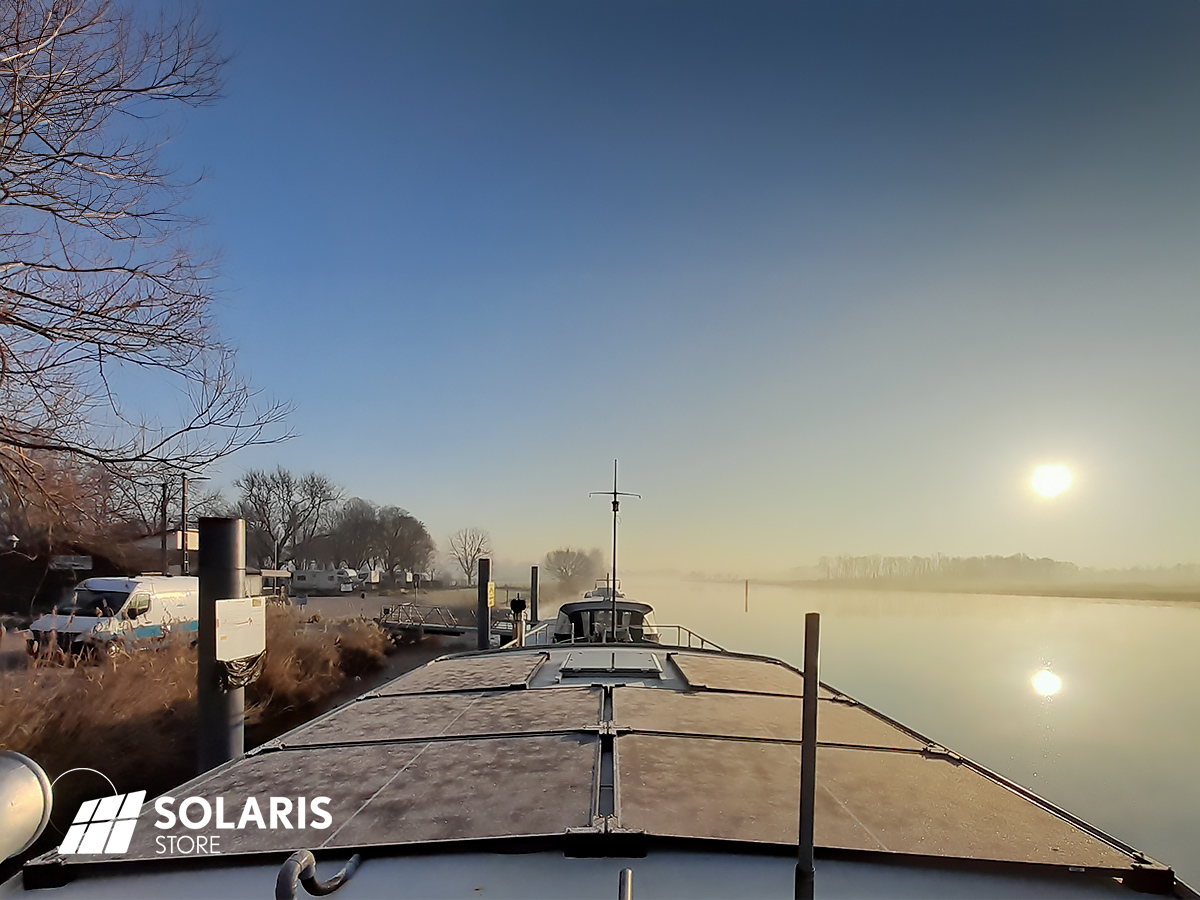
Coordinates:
column 827, row 277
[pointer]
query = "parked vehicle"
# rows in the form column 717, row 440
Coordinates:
column 307, row 582
column 142, row 609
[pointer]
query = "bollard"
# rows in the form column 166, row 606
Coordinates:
column 805, row 873
column 517, row 605
column 483, row 614
column 222, row 577
column 625, row 885
column 533, row 595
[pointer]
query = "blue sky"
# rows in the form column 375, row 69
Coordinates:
column 827, row 277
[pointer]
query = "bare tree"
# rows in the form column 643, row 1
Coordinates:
column 405, row 543
column 97, row 279
column 285, row 513
column 572, row 568
column 354, row 534
column 467, row 547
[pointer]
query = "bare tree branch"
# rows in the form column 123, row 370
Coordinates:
column 97, row 278
column 467, row 547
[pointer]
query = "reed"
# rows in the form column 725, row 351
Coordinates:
column 133, row 715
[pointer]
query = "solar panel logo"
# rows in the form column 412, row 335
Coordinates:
column 104, row 825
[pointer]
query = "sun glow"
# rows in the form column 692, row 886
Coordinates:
column 1047, row 683
column 1050, row 481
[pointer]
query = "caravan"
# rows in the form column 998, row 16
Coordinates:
column 100, row 611
column 307, row 582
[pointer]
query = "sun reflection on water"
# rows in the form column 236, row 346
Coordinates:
column 1047, row 683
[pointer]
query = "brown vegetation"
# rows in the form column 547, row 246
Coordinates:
column 134, row 716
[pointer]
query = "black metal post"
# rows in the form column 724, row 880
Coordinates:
column 518, row 607
column 483, row 614
column 183, row 538
column 805, row 872
column 222, row 577
column 533, row 595
column 166, row 560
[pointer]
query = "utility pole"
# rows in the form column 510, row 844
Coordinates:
column 183, row 568
column 166, row 562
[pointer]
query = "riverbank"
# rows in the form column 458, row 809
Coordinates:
column 134, row 717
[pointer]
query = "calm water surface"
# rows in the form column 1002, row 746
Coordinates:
column 1118, row 744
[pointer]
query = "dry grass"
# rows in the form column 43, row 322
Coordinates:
column 310, row 660
column 132, row 712
column 134, row 715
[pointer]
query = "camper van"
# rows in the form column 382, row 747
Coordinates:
column 135, row 610
column 307, row 582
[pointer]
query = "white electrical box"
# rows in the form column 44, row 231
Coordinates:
column 241, row 628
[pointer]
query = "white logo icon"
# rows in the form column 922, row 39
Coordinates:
column 104, row 825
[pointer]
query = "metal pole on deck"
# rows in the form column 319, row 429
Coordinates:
column 533, row 595
column 808, row 755
column 625, row 885
column 483, row 614
column 222, row 577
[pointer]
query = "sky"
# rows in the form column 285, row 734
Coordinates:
column 825, row 277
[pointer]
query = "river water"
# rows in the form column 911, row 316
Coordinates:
column 1118, row 744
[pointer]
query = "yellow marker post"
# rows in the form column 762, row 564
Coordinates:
column 491, row 593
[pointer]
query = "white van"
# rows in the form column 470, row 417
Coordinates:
column 143, row 608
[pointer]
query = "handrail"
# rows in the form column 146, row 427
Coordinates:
column 538, row 636
column 543, row 635
column 694, row 641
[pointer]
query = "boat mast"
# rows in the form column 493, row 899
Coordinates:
column 616, row 506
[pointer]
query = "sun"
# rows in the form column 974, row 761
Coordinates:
column 1050, row 481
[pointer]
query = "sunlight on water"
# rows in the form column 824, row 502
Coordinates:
column 1115, row 745
column 1047, row 683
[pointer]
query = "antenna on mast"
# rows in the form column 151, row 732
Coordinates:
column 616, row 506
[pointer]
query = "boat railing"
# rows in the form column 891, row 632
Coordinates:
column 542, row 635
column 539, row 635
column 685, row 637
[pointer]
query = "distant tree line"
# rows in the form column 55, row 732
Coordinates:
column 1016, row 568
column 306, row 521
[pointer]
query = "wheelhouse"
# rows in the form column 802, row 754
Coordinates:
column 591, row 621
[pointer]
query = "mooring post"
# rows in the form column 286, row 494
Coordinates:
column 533, row 595
column 222, row 577
column 483, row 614
column 808, row 755
column 518, row 605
